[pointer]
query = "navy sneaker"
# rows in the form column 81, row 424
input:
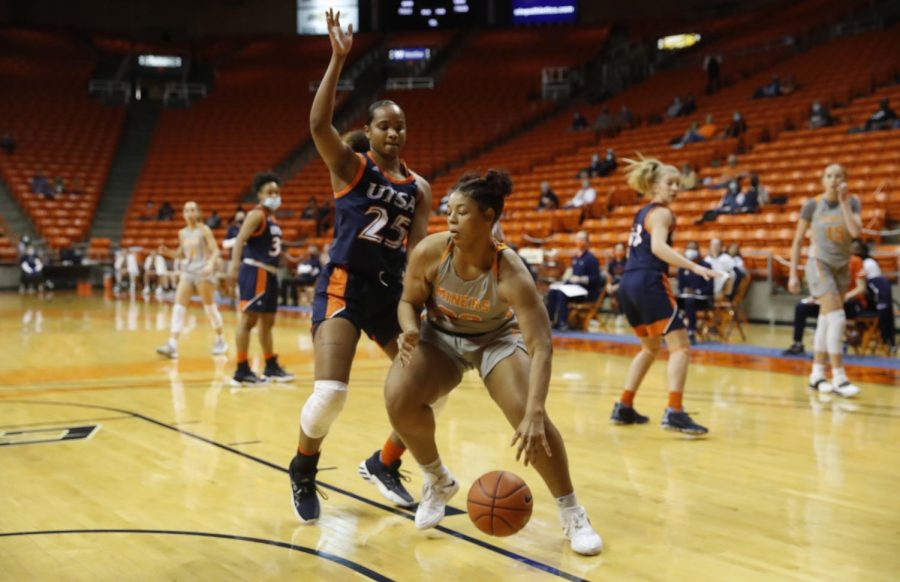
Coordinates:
column 244, row 376
column 303, row 489
column 796, row 349
column 276, row 373
column 622, row 414
column 680, row 421
column 387, row 479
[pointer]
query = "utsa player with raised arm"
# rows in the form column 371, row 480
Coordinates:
column 379, row 205
column 254, row 261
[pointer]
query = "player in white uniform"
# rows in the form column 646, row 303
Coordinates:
column 198, row 252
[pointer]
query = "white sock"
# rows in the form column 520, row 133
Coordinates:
column 435, row 471
column 173, row 343
column 818, row 371
column 839, row 375
column 567, row 501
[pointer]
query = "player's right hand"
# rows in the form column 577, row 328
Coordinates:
column 794, row 284
column 406, row 342
column 340, row 41
column 707, row 274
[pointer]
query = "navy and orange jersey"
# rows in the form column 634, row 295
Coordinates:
column 372, row 216
column 264, row 245
column 640, row 254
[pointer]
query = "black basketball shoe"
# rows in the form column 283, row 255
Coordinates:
column 244, row 376
column 622, row 414
column 303, row 488
column 275, row 372
column 680, row 421
column 387, row 479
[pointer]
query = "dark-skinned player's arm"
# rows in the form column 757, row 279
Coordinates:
column 419, row 228
column 251, row 224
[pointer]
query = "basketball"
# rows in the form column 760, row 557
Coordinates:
column 499, row 503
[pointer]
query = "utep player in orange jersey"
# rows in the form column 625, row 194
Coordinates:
column 254, row 261
column 378, row 202
column 647, row 299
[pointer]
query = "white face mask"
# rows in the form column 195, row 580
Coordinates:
column 692, row 254
column 272, row 202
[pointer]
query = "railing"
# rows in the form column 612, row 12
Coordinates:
column 183, row 93
column 111, row 90
column 407, row 83
column 343, row 85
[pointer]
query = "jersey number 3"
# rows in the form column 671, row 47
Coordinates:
column 372, row 232
column 634, row 239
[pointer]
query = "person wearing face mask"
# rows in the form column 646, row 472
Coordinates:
column 694, row 292
column 584, row 273
column 615, row 268
column 727, row 205
column 722, row 263
column 647, row 299
column 254, row 263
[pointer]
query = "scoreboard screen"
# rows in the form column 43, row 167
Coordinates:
column 432, row 14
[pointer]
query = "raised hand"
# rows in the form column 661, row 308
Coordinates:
column 340, row 41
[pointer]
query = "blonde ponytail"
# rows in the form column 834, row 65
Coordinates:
column 645, row 172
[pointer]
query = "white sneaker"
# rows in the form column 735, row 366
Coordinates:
column 434, row 501
column 820, row 384
column 577, row 527
column 220, row 348
column 168, row 351
column 846, row 389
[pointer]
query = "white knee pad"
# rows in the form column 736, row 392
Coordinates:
column 212, row 312
column 438, row 406
column 178, row 313
column 322, row 407
column 820, row 339
column 837, row 321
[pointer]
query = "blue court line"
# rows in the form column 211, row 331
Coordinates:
column 740, row 349
column 358, row 568
column 506, row 553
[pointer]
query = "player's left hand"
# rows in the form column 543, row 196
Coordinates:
column 843, row 190
column 530, row 435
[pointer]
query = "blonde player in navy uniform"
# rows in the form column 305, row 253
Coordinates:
column 197, row 252
column 381, row 207
column 478, row 295
column 254, row 262
column 647, row 299
column 834, row 220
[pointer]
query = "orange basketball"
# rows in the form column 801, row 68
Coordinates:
column 499, row 503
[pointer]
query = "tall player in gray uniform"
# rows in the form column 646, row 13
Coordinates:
column 833, row 219
column 198, row 253
column 478, row 295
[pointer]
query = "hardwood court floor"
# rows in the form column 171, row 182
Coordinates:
column 184, row 478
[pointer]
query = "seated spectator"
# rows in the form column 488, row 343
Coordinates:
column 593, row 170
column 748, row 201
column 148, row 213
column 40, row 185
column 32, row 276
column 584, row 272
column 727, row 205
column 626, row 118
column 59, row 185
column 22, row 247
column 712, row 64
column 740, row 269
column 690, row 106
column 674, row 109
column 709, row 129
column 884, row 118
column 579, row 122
column 233, row 229
column 691, row 135
column 605, row 123
column 789, row 85
column 772, row 89
column 721, row 263
column 166, row 212
column 8, row 144
column 737, row 127
column 819, row 116
column 548, row 199
column 311, row 211
column 689, row 179
column 694, row 292
column 306, row 276
column 878, row 295
column 214, row 221
column 615, row 269
column 608, row 164
column 585, row 196
column 729, row 172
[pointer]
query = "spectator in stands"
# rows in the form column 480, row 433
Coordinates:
column 548, row 199
column 59, row 185
column 323, row 220
column 311, row 212
column 585, row 196
column 884, row 118
column 233, row 229
column 819, row 116
column 584, row 272
column 40, row 185
column 626, row 118
column 614, row 269
column 721, row 263
column 691, row 135
column 709, row 129
column 737, row 127
column 712, row 65
column 878, row 295
column 689, row 179
column 166, row 212
column 605, row 124
column 772, row 89
column 748, row 201
column 729, row 173
column 214, row 221
column 23, row 245
column 789, row 85
column 740, row 269
column 8, row 144
column 727, row 205
column 674, row 109
column 307, row 274
column 579, row 122
column 32, row 277
column 593, row 170
column 690, row 105
column 608, row 164
column 694, row 292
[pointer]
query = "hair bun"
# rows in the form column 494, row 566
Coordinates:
column 499, row 182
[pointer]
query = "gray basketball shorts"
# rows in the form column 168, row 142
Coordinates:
column 823, row 278
column 196, row 278
column 481, row 352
